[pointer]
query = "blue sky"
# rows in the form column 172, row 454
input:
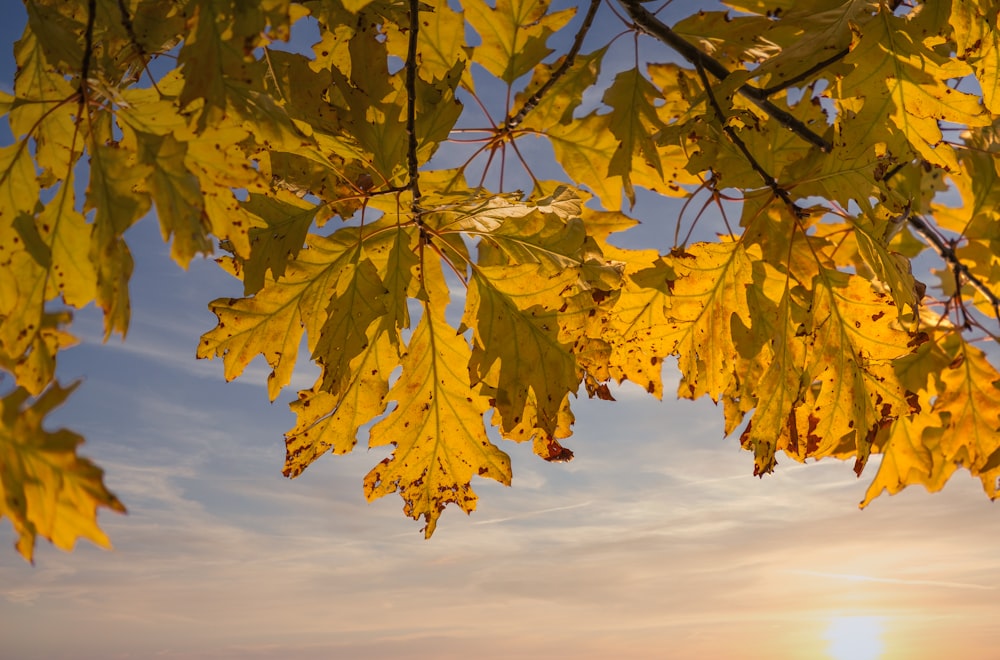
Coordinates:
column 655, row 541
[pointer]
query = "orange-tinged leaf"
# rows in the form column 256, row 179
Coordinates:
column 911, row 454
column 48, row 490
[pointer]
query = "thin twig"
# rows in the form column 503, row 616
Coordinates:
column 653, row 26
column 513, row 120
column 947, row 252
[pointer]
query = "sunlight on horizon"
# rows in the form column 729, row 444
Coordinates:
column 854, row 638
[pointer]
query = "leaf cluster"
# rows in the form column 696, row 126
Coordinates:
column 824, row 143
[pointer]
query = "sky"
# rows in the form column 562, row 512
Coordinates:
column 654, row 542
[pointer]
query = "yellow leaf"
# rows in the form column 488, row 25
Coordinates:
column 640, row 332
column 436, row 427
column 634, row 121
column 330, row 421
column 355, row 304
column 911, row 455
column 977, row 36
column 969, row 402
column 46, row 113
column 177, row 194
column 585, row 147
column 557, row 105
column 271, row 322
column 22, row 300
column 67, row 236
column 906, row 81
column 440, row 41
column 514, row 312
column 287, row 220
column 36, row 369
column 890, row 267
column 514, row 35
column 855, row 391
column 114, row 177
column 709, row 291
column 47, row 489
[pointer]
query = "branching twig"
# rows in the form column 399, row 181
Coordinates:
column 769, row 180
column 947, row 252
column 513, row 120
column 651, row 25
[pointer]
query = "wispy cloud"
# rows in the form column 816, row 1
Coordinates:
column 887, row 580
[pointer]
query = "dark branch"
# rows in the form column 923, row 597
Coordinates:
column 512, row 121
column 735, row 138
column 413, row 166
column 947, row 252
column 653, row 26
column 88, row 47
column 805, row 75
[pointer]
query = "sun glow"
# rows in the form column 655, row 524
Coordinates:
column 854, row 638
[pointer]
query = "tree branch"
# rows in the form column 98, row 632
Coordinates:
column 513, row 120
column 88, row 46
column 805, row 75
column 769, row 180
column 947, row 252
column 413, row 166
column 653, row 26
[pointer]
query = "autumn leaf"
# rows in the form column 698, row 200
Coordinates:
column 359, row 188
column 514, row 34
column 436, row 429
column 48, row 491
